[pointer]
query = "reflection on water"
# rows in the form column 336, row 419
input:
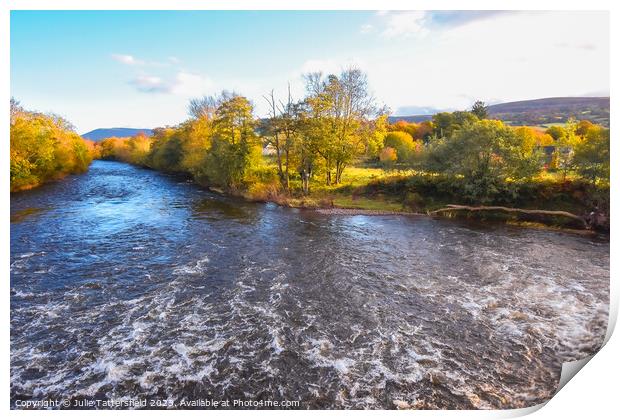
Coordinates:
column 135, row 284
column 215, row 208
column 21, row 215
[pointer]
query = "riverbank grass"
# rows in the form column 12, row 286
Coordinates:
column 375, row 189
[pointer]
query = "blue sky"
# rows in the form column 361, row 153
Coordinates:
column 140, row 68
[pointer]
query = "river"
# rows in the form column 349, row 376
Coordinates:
column 127, row 283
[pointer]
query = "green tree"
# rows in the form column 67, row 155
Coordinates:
column 565, row 146
column 481, row 157
column 591, row 158
column 234, row 145
column 446, row 123
column 480, row 110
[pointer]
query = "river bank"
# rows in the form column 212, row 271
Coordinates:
column 373, row 205
column 367, row 193
column 375, row 192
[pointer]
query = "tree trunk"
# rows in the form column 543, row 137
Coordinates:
column 339, row 170
column 456, row 207
column 279, row 159
column 286, row 174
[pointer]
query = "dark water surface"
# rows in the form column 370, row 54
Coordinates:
column 126, row 283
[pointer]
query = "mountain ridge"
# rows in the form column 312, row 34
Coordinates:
column 541, row 111
column 102, row 133
column 535, row 112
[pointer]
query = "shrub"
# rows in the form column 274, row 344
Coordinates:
column 388, row 155
column 403, row 144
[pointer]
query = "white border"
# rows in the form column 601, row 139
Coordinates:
column 593, row 394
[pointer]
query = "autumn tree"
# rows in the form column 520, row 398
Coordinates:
column 388, row 156
column 402, row 143
column 234, row 146
column 373, row 133
column 339, row 106
column 556, row 132
column 565, row 146
column 591, row 156
column 582, row 127
column 424, row 130
column 282, row 129
column 43, row 147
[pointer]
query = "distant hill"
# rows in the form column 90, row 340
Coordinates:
column 540, row 112
column 411, row 118
column 102, row 133
column 553, row 111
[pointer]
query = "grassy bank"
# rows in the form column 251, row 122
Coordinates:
column 371, row 189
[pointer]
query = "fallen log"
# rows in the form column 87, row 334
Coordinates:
column 456, row 207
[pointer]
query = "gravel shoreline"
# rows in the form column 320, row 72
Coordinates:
column 363, row 212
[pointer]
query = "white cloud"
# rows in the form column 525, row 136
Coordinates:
column 127, row 59
column 151, row 84
column 132, row 60
column 179, row 82
column 493, row 57
column 420, row 23
column 329, row 66
column 183, row 83
column 500, row 58
column 406, row 24
column 191, row 84
column 367, row 28
column 320, row 65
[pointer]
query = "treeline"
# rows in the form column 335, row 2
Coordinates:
column 44, row 147
column 218, row 146
column 338, row 123
column 485, row 158
column 302, row 149
column 222, row 144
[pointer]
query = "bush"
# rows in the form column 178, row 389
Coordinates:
column 388, row 155
column 403, row 144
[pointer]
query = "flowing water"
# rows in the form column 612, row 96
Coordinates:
column 126, row 283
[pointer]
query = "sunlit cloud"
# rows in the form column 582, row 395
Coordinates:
column 191, row 84
column 127, row 59
column 132, row 60
column 412, row 23
column 151, row 84
column 183, row 84
column 418, row 23
column 513, row 65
